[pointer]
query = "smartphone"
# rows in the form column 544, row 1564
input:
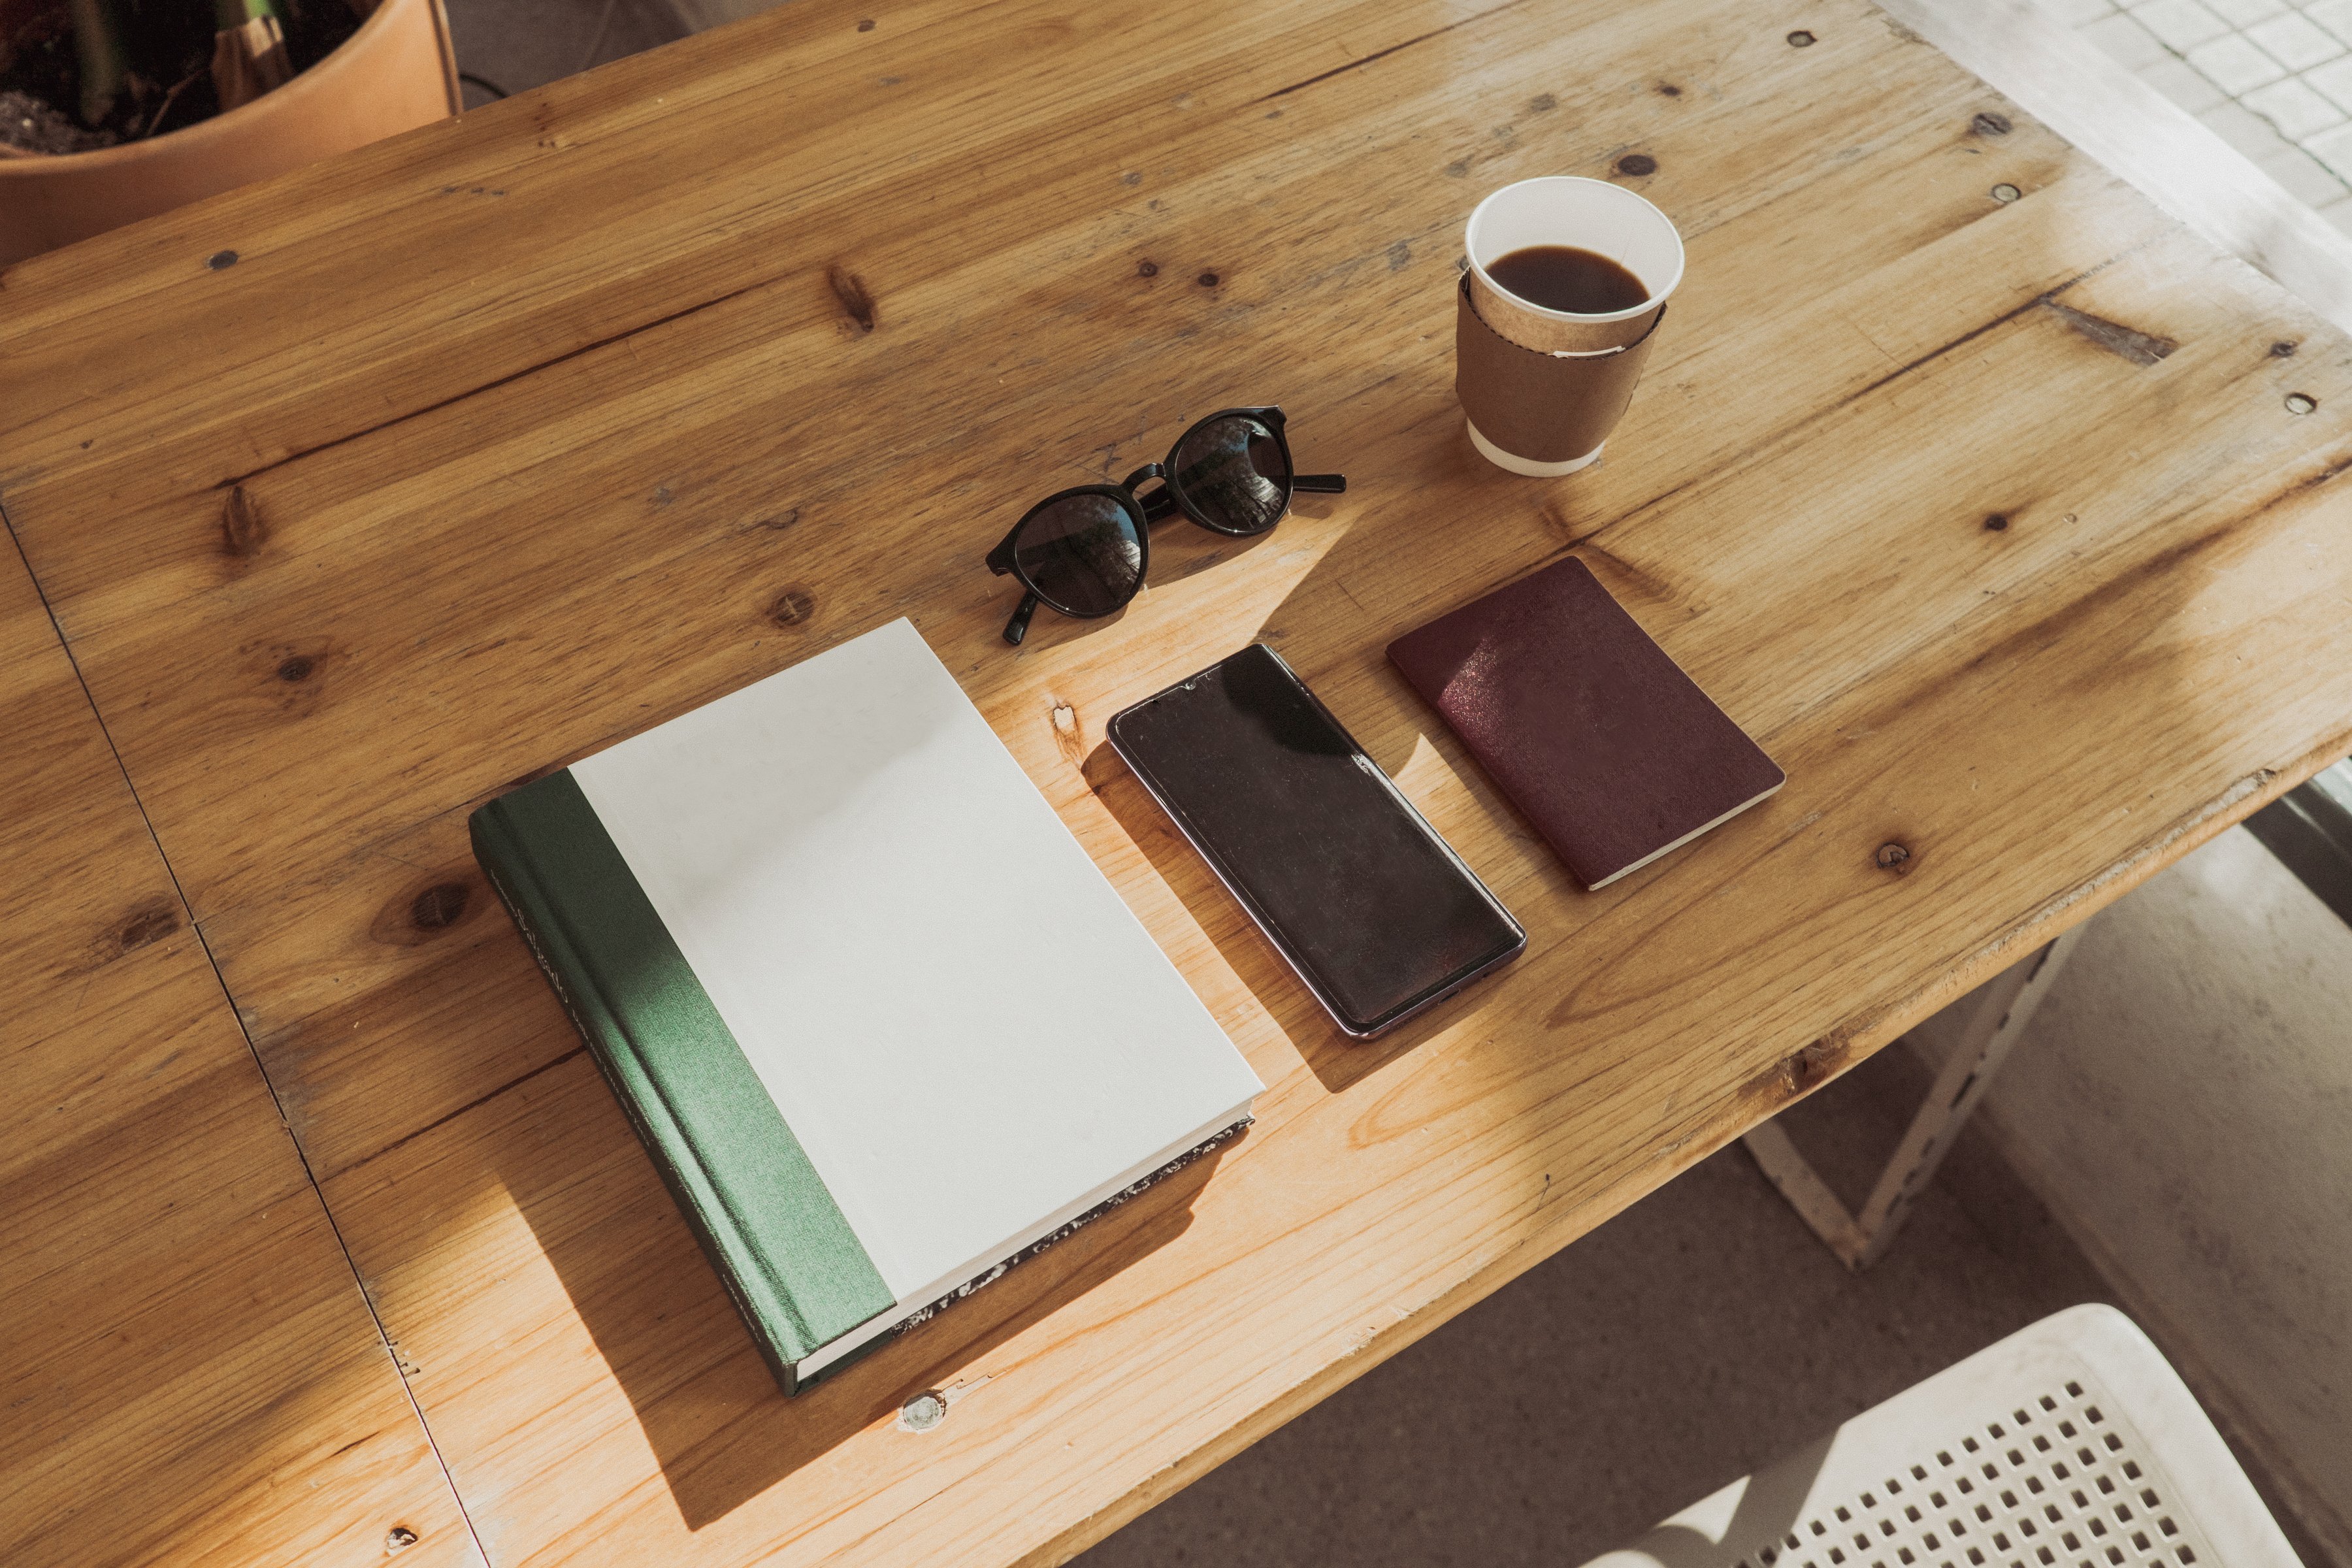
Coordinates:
column 1376, row 913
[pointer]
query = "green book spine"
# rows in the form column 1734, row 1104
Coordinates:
column 781, row 1247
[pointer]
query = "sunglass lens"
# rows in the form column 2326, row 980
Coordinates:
column 1084, row 554
column 1234, row 472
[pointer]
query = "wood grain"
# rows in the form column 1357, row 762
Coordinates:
column 745, row 346
column 188, row 1370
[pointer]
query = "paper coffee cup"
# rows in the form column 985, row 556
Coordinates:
column 1591, row 214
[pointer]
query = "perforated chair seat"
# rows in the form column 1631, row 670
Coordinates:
column 2071, row 1444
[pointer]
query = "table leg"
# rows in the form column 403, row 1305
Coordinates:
column 2000, row 1016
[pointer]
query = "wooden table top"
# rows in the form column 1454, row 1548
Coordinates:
column 504, row 440
column 188, row 1370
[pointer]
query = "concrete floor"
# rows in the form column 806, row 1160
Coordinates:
column 2183, row 1100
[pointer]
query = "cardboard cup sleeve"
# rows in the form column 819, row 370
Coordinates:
column 1546, row 408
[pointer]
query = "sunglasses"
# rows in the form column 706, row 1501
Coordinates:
column 1083, row 552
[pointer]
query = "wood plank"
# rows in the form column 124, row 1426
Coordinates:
column 638, row 455
column 189, row 1372
column 484, row 295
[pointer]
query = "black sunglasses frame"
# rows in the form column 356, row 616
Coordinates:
column 1162, row 504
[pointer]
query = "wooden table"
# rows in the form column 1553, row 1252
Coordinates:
column 187, row 1370
column 494, row 443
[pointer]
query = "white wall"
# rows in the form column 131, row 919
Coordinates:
column 2183, row 1103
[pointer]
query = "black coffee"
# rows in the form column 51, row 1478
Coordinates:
column 1568, row 277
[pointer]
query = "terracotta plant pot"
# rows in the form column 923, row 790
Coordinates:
column 394, row 73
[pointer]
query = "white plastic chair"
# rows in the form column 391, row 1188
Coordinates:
column 2071, row 1444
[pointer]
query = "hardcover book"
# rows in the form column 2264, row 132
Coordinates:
column 881, row 1024
column 1591, row 727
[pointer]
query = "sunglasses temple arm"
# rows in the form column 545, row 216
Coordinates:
column 1017, row 627
column 1320, row 484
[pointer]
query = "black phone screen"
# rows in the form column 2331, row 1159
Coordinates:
column 1376, row 913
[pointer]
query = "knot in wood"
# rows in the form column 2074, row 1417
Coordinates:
column 1800, row 40
column 298, row 668
column 1209, row 279
column 1892, row 856
column 856, row 299
column 221, row 261
column 1997, row 521
column 1637, row 164
column 243, row 532
column 148, row 925
column 440, row 906
column 792, row 606
column 2141, row 348
column 2282, row 350
column 1147, row 269
column 1807, row 1069
column 1990, row 125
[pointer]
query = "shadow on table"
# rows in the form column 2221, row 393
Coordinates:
column 1180, row 549
column 721, row 1429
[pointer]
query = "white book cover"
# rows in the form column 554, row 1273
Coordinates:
column 972, row 1037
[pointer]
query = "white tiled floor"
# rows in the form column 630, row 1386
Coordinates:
column 2272, row 77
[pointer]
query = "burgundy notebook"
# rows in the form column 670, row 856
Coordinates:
column 1597, row 735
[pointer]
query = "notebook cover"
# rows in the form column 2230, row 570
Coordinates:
column 797, row 1274
column 779, row 923
column 1590, row 727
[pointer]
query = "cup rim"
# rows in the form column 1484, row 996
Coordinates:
column 1657, row 296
